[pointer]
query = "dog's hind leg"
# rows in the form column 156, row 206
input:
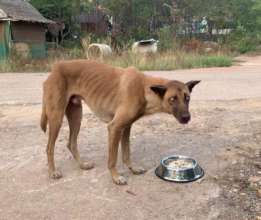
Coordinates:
column 125, row 146
column 74, row 116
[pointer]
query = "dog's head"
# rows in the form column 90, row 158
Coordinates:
column 175, row 98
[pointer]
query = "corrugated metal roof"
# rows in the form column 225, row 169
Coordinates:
column 20, row 10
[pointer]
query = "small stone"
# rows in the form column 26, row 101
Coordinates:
column 253, row 185
column 94, row 180
column 258, row 153
column 254, row 179
column 201, row 180
column 235, row 190
column 234, row 162
column 130, row 192
column 236, row 186
column 214, row 177
column 242, row 194
column 259, row 193
column 257, row 164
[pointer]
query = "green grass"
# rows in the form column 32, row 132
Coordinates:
column 197, row 61
column 171, row 61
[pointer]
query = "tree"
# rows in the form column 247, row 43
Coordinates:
column 138, row 18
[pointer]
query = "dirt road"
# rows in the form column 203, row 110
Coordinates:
column 241, row 81
column 224, row 136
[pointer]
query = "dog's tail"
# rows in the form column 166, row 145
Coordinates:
column 44, row 119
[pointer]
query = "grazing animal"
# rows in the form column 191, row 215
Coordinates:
column 145, row 47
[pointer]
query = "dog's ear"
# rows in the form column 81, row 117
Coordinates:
column 191, row 84
column 159, row 90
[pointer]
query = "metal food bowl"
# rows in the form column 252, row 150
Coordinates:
column 179, row 169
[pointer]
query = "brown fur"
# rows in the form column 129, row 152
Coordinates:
column 117, row 96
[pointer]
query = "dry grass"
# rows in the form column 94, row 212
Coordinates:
column 162, row 61
column 17, row 63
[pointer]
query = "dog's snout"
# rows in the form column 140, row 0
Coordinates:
column 185, row 118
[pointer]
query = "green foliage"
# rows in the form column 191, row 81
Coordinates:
column 247, row 32
column 243, row 41
column 71, row 44
column 195, row 61
column 167, row 38
column 62, row 10
column 247, row 14
column 136, row 16
column 53, row 9
column 163, row 19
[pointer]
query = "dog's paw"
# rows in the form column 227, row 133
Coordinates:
column 120, row 180
column 86, row 165
column 55, row 174
column 138, row 170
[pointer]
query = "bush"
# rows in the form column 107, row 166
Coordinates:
column 166, row 38
column 71, row 43
column 242, row 41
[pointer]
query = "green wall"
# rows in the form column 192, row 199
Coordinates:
column 37, row 50
column 5, row 40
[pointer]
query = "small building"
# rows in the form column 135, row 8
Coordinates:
column 97, row 21
column 22, row 28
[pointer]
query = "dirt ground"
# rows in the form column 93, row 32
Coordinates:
column 224, row 136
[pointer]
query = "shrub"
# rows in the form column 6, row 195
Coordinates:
column 242, row 41
column 166, row 38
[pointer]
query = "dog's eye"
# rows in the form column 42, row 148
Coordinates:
column 187, row 98
column 173, row 99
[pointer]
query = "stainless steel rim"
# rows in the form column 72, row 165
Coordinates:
column 163, row 169
column 178, row 180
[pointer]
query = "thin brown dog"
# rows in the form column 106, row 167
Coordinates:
column 117, row 96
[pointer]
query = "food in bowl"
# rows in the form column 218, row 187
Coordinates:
column 179, row 163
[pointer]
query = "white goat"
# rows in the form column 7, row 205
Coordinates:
column 145, row 46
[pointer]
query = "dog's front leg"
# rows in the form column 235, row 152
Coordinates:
column 114, row 134
column 125, row 146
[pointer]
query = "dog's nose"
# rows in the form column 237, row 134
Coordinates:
column 185, row 118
